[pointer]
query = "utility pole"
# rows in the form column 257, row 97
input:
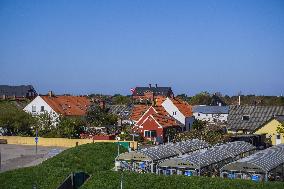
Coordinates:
column 36, row 140
column 0, row 159
column 199, row 154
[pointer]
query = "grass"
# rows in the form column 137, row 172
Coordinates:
column 97, row 160
column 111, row 180
column 89, row 158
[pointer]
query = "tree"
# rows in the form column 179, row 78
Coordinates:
column 280, row 128
column 14, row 121
column 203, row 98
column 119, row 99
column 212, row 134
column 98, row 117
column 170, row 133
column 69, row 127
column 183, row 97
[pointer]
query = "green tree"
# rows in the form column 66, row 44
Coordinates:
column 69, row 127
column 212, row 134
column 119, row 99
column 98, row 117
column 280, row 129
column 203, row 98
column 14, row 121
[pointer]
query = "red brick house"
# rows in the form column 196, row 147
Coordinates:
column 147, row 95
column 154, row 123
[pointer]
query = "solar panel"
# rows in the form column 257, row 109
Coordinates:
column 266, row 160
column 212, row 155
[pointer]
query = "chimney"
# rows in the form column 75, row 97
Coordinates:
column 50, row 93
column 102, row 104
column 156, row 85
column 239, row 100
column 150, row 85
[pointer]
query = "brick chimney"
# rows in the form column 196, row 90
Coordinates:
column 102, row 104
column 50, row 94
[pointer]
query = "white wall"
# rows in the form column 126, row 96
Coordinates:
column 210, row 117
column 170, row 108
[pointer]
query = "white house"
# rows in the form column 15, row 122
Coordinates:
column 211, row 113
column 58, row 105
column 180, row 110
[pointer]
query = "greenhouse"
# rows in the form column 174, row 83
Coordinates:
column 206, row 162
column 265, row 165
column 145, row 160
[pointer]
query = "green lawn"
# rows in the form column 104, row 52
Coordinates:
column 89, row 158
column 97, row 160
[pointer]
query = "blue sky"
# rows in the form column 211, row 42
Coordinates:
column 108, row 47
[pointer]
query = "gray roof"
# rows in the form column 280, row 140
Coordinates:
column 262, row 161
column 173, row 149
column 18, row 91
column 161, row 152
column 139, row 91
column 122, row 111
column 280, row 118
column 211, row 109
column 258, row 116
column 211, row 156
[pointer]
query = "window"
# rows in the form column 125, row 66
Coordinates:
column 33, row 108
column 150, row 134
column 245, row 117
column 278, row 136
column 175, row 113
column 42, row 108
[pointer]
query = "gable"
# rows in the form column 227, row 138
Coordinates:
column 149, row 112
column 269, row 127
column 150, row 124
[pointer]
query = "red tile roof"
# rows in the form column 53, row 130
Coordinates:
column 68, row 105
column 165, row 121
column 183, row 107
column 138, row 111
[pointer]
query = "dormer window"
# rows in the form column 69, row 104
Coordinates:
column 246, row 117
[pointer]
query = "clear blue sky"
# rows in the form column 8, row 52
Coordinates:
column 108, row 47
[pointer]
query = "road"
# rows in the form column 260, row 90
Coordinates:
column 17, row 156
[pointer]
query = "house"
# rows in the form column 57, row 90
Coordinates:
column 211, row 113
column 270, row 129
column 147, row 94
column 256, row 120
column 155, row 123
column 56, row 105
column 17, row 92
column 180, row 110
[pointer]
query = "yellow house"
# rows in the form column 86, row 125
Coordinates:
column 257, row 120
column 270, row 129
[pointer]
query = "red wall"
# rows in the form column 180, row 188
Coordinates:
column 150, row 111
column 150, row 124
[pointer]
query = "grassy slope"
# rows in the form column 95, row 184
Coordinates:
column 111, row 180
column 97, row 159
column 89, row 158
